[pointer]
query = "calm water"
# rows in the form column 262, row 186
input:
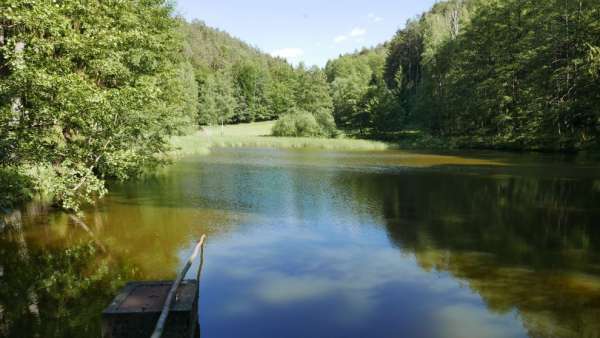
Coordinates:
column 328, row 244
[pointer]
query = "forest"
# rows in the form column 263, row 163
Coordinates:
column 506, row 74
column 238, row 83
column 92, row 91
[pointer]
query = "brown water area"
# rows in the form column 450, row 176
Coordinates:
column 308, row 243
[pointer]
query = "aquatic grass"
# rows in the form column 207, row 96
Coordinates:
column 188, row 145
column 297, row 142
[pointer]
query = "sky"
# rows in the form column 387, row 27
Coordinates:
column 309, row 31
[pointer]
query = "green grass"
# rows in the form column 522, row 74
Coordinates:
column 257, row 135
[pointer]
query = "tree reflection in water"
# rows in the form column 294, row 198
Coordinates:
column 54, row 290
column 521, row 243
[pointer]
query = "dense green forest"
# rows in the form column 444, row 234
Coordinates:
column 239, row 83
column 468, row 73
column 483, row 73
column 90, row 91
column 362, row 101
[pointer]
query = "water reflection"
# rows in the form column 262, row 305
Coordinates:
column 53, row 290
column 522, row 244
column 506, row 254
column 321, row 244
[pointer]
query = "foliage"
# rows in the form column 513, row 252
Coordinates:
column 217, row 99
column 593, row 61
column 361, row 99
column 536, row 92
column 298, row 124
column 484, row 73
column 16, row 187
column 238, row 83
column 90, row 90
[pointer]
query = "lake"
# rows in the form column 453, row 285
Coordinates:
column 308, row 243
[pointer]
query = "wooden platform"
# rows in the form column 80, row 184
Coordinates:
column 134, row 312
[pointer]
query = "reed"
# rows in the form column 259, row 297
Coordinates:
column 257, row 135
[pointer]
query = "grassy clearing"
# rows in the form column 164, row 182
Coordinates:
column 257, row 135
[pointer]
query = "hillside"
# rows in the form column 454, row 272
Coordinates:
column 505, row 74
column 239, row 83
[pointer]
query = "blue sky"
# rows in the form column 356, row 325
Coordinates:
column 312, row 31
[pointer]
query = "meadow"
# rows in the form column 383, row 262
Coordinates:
column 258, row 135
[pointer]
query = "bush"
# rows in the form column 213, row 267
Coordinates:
column 15, row 187
column 285, row 126
column 326, row 122
column 299, row 123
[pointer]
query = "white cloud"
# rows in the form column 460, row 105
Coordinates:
column 467, row 320
column 356, row 32
column 340, row 38
column 280, row 288
column 375, row 18
column 288, row 53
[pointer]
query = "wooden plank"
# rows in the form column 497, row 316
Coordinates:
column 160, row 324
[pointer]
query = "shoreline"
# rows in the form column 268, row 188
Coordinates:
column 257, row 135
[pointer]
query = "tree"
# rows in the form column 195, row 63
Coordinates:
column 281, row 92
column 312, row 95
column 520, row 66
column 298, row 123
column 252, row 82
column 485, row 73
column 90, row 90
column 354, row 81
column 218, row 103
column 312, row 91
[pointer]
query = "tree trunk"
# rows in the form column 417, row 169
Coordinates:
column 16, row 101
